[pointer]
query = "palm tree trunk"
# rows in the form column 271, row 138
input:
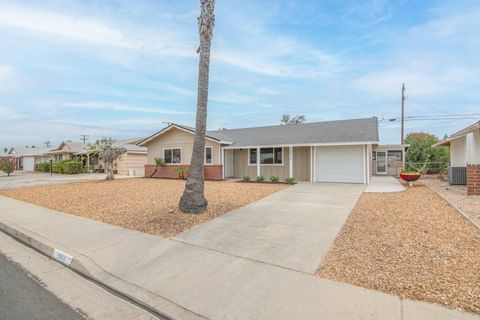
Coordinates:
column 193, row 198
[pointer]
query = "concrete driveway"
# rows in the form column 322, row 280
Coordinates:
column 20, row 179
column 292, row 228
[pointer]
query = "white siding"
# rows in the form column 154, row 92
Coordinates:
column 340, row 164
column 473, row 141
column 458, row 152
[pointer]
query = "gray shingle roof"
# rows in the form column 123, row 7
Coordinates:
column 338, row 131
column 23, row 151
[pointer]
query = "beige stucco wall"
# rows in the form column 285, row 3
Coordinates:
column 175, row 138
column 301, row 165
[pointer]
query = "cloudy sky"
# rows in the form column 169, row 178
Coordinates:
column 123, row 68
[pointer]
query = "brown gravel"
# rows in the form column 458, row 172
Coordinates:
column 412, row 244
column 146, row 205
column 456, row 195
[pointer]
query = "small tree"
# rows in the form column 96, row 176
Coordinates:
column 287, row 119
column 6, row 165
column 106, row 151
column 5, row 150
column 159, row 162
column 422, row 152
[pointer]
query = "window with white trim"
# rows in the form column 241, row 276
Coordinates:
column 267, row 156
column 394, row 155
column 208, row 155
column 173, row 155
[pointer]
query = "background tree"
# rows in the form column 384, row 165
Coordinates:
column 106, row 151
column 287, row 119
column 5, row 150
column 6, row 165
column 193, row 198
column 421, row 151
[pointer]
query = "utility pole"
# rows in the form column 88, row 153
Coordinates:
column 84, row 137
column 403, row 112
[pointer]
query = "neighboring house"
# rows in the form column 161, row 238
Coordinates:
column 26, row 159
column 330, row 151
column 389, row 159
column 131, row 163
column 464, row 157
column 67, row 150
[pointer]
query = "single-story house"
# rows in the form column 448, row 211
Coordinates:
column 26, row 158
column 67, row 150
column 130, row 163
column 464, row 157
column 329, row 151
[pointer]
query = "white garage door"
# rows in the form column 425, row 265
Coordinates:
column 339, row 164
column 29, row 163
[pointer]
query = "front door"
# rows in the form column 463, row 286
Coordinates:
column 381, row 162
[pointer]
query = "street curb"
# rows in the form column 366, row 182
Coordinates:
column 85, row 267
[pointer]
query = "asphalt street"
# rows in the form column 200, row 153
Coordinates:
column 22, row 297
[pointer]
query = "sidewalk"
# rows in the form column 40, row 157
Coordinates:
column 188, row 282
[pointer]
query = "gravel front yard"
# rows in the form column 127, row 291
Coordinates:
column 146, row 205
column 412, row 244
column 456, row 195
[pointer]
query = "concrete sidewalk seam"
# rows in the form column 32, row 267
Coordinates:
column 240, row 257
column 29, row 242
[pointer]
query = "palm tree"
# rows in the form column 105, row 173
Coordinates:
column 193, row 198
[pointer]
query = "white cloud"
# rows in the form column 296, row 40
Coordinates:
column 122, row 107
column 59, row 24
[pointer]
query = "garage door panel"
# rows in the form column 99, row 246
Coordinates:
column 339, row 164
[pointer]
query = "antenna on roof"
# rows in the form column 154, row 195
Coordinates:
column 83, row 137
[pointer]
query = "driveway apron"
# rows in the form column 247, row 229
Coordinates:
column 291, row 229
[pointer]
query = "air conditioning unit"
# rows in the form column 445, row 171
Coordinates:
column 457, row 175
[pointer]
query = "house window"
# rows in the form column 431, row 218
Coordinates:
column 173, row 155
column 395, row 155
column 253, row 156
column 374, row 155
column 267, row 156
column 208, row 155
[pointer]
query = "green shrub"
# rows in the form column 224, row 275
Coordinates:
column 290, row 180
column 160, row 162
column 246, row 178
column 68, row 167
column 260, row 178
column 6, row 165
column 274, row 179
column 73, row 167
column 181, row 172
column 43, row 167
column 409, row 172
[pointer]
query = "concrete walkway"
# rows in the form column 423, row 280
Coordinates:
column 380, row 184
column 292, row 229
column 20, row 179
column 190, row 282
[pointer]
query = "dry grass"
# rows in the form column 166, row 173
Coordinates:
column 146, row 205
column 412, row 244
